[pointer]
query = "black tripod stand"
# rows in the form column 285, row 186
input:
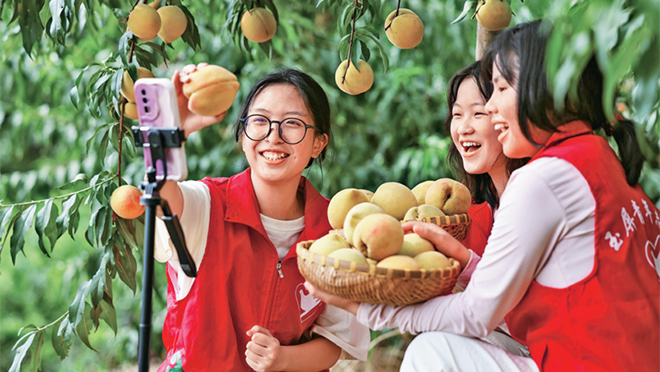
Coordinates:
column 157, row 140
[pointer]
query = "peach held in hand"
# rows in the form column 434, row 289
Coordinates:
column 125, row 202
column 210, row 90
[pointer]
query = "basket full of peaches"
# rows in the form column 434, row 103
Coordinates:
column 368, row 258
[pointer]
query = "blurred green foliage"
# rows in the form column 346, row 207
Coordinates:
column 393, row 132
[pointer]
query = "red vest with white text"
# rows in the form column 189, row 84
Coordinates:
column 609, row 321
column 240, row 283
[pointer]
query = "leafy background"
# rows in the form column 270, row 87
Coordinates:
column 69, row 272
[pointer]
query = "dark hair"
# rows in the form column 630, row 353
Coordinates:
column 525, row 45
column 480, row 185
column 311, row 92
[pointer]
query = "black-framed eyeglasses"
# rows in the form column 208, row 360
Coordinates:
column 291, row 130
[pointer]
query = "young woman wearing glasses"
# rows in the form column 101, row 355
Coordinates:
column 247, row 309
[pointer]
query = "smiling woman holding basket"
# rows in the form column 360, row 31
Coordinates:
column 571, row 261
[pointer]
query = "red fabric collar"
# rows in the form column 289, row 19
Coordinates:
column 564, row 131
column 242, row 205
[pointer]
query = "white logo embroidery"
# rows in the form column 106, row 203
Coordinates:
column 653, row 254
column 306, row 302
column 614, row 242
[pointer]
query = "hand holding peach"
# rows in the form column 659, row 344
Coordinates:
column 192, row 121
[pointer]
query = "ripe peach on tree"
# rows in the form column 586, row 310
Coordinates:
column 352, row 81
column 404, row 28
column 173, row 23
column 494, row 15
column 258, row 25
column 125, row 202
column 144, row 22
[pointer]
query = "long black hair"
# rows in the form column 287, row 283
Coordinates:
column 519, row 54
column 480, row 185
column 311, row 92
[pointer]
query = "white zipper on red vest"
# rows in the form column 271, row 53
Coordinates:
column 279, row 269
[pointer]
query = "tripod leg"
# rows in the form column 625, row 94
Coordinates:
column 147, row 282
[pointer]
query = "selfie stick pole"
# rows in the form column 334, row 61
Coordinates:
column 158, row 139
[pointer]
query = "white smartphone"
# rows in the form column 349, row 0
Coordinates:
column 157, row 108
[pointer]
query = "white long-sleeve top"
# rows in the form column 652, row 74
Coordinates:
column 543, row 230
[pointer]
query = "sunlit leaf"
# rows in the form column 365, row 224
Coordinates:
column 21, row 350
column 77, row 308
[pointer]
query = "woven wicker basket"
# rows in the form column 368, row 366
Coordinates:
column 376, row 285
column 455, row 224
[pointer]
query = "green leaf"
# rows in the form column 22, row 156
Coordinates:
column 468, row 8
column 79, row 180
column 77, row 308
column 127, row 232
column 115, row 83
column 10, row 224
column 42, row 222
column 108, row 313
column 66, row 220
column 21, row 351
column 35, row 355
column 31, row 26
column 84, row 328
column 621, row 61
column 366, row 53
column 21, row 227
column 355, row 55
column 126, row 266
column 97, row 286
column 5, row 217
column 383, row 55
column 59, row 345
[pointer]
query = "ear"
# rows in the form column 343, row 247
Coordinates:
column 320, row 141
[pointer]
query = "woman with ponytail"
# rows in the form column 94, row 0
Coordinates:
column 572, row 260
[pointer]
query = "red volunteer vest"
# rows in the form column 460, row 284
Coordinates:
column 610, row 320
column 481, row 224
column 240, row 283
